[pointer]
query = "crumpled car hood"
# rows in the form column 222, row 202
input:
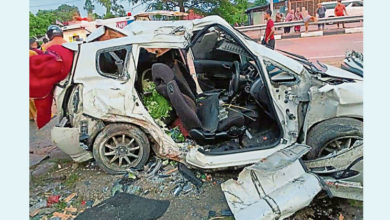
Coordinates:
column 340, row 73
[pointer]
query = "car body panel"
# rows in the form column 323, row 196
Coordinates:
column 67, row 139
column 102, row 100
column 273, row 188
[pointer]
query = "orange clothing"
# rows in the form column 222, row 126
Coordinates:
column 339, row 10
column 54, row 41
column 32, row 53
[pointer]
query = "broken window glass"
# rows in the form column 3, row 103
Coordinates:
column 278, row 73
column 112, row 62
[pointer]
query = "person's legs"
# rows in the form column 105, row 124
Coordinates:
column 271, row 44
column 306, row 26
column 343, row 24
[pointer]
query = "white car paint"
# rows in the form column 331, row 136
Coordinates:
column 353, row 8
column 115, row 100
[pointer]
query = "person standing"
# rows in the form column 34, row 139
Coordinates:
column 269, row 39
column 289, row 17
column 321, row 14
column 55, row 36
column 34, row 47
column 339, row 11
column 297, row 17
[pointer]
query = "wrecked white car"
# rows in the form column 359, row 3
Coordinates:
column 230, row 101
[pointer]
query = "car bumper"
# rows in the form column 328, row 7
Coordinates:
column 67, row 139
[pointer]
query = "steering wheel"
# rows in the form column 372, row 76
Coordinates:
column 234, row 82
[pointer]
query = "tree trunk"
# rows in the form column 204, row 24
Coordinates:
column 181, row 5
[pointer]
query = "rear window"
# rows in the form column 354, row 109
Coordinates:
column 357, row 4
column 333, row 5
column 112, row 62
column 329, row 5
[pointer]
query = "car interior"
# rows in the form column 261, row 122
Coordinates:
column 233, row 111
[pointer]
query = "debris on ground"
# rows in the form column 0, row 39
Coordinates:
column 189, row 175
column 126, row 206
column 70, row 197
column 53, row 199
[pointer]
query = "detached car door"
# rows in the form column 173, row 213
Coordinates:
column 103, row 72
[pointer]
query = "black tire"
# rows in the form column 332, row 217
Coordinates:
column 134, row 143
column 322, row 134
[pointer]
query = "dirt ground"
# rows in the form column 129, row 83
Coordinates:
column 57, row 175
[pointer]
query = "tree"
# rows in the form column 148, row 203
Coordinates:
column 44, row 18
column 205, row 6
column 113, row 8
column 39, row 23
column 232, row 11
column 63, row 13
column 89, row 7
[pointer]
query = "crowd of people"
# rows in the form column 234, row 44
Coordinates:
column 298, row 15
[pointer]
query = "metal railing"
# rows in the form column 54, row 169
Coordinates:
column 300, row 22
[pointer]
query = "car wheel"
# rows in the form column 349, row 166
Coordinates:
column 333, row 135
column 119, row 147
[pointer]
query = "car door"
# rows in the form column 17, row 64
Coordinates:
column 355, row 8
column 104, row 71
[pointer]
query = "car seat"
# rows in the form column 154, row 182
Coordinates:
column 200, row 116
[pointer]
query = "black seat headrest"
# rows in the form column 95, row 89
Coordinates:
column 162, row 72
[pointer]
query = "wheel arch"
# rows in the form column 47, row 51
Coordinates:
column 161, row 144
column 308, row 127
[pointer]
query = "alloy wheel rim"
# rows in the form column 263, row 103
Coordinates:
column 121, row 151
column 338, row 144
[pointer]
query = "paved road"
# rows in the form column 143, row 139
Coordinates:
column 325, row 48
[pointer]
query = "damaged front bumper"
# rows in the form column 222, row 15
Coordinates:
column 274, row 188
column 67, row 139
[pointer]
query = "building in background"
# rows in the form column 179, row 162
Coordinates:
column 80, row 30
column 310, row 5
column 256, row 14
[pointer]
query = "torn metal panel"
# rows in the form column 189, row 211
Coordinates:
column 337, row 161
column 67, row 139
column 274, row 188
column 340, row 73
column 330, row 101
column 346, row 168
column 344, row 189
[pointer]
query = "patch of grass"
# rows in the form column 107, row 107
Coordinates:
column 60, row 206
column 71, row 180
column 355, row 203
column 76, row 202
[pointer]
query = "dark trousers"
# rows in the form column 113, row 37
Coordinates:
column 287, row 30
column 271, row 44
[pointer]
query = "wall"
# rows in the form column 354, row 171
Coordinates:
column 310, row 5
column 69, row 34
